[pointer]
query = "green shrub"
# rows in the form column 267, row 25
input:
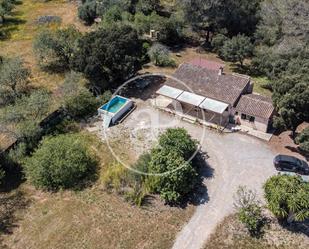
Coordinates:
column 303, row 140
column 59, row 162
column 178, row 139
column 249, row 210
column 115, row 176
column 218, row 42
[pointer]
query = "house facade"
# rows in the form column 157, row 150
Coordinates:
column 202, row 91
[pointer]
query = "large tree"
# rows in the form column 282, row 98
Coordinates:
column 109, row 55
column 174, row 176
column 14, row 79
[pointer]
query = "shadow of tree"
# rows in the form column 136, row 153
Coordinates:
column 10, row 25
column 10, row 203
column 143, row 88
column 296, row 227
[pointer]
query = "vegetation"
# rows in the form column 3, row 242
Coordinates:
column 54, row 49
column 160, row 55
column 22, row 119
column 78, row 101
column 14, row 80
column 249, row 210
column 303, row 140
column 59, row 162
column 108, row 55
column 288, row 197
column 236, row 49
column 173, row 175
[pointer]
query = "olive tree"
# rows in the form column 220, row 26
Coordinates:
column 22, row 119
column 54, row 49
column 160, row 55
column 14, row 79
column 78, row 101
column 249, row 210
column 59, row 162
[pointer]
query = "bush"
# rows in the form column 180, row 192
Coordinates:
column 178, row 140
column 218, row 42
column 303, row 140
column 249, row 210
column 59, row 162
column 237, row 49
column 88, row 11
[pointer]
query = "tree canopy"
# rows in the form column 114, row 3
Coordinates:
column 59, row 162
column 109, row 55
column 14, row 80
column 54, row 49
column 177, row 177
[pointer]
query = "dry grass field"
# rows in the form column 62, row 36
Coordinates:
column 231, row 234
column 88, row 218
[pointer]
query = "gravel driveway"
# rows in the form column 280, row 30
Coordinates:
column 236, row 159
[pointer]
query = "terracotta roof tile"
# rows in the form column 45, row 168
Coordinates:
column 255, row 105
column 211, row 65
column 226, row 88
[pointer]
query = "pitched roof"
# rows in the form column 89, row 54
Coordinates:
column 211, row 65
column 226, row 87
column 255, row 105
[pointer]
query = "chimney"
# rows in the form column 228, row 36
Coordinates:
column 220, row 71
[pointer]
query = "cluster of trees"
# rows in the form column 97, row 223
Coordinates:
column 142, row 15
column 282, row 55
column 105, row 56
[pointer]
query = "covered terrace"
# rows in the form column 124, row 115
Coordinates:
column 192, row 106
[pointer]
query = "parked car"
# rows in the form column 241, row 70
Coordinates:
column 291, row 164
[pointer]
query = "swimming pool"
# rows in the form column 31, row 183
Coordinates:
column 114, row 105
column 113, row 110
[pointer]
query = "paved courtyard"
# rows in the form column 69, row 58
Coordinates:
column 235, row 159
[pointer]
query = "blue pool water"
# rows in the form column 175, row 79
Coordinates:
column 114, row 105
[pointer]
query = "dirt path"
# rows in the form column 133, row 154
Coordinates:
column 236, row 160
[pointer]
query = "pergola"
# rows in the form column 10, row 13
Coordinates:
column 193, row 99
